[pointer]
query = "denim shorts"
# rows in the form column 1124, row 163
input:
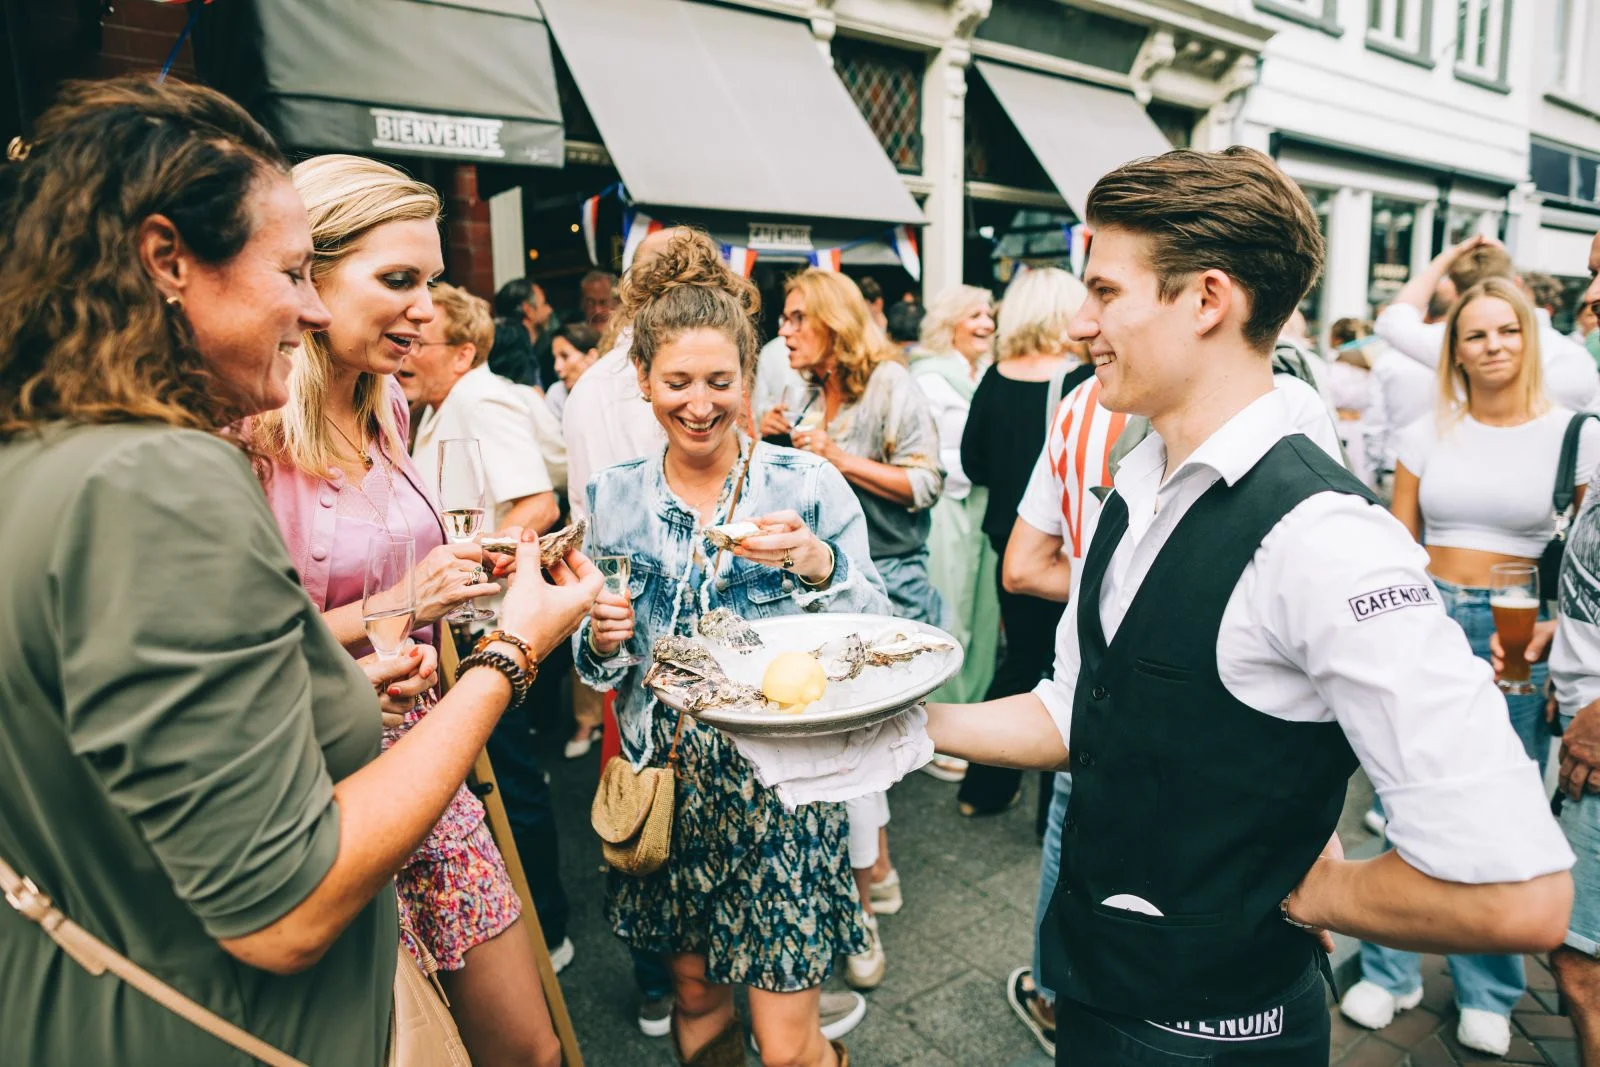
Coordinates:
column 1580, row 821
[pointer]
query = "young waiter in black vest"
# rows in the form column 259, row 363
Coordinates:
column 1248, row 626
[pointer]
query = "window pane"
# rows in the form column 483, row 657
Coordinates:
column 1586, row 168
column 1393, row 223
column 1398, row 25
column 1374, row 14
column 1551, row 169
column 1311, row 306
column 1461, row 29
column 1483, row 34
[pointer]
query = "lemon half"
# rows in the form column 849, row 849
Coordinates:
column 794, row 681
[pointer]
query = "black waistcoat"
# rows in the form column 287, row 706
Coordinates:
column 1182, row 795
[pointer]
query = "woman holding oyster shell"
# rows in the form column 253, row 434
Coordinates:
column 751, row 893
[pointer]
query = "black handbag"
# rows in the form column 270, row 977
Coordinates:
column 1561, row 504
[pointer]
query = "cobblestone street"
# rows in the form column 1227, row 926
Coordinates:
column 969, row 887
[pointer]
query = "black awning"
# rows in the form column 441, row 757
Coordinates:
column 452, row 79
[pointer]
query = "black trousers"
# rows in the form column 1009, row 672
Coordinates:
column 1030, row 651
column 1291, row 1030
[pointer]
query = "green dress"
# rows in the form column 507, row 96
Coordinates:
column 173, row 716
column 961, row 561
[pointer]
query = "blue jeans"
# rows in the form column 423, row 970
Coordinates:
column 1488, row 983
column 1049, row 870
column 911, row 591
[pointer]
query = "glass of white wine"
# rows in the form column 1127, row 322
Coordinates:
column 463, row 492
column 616, row 571
column 389, row 594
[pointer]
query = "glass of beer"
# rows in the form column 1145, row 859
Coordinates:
column 1514, row 601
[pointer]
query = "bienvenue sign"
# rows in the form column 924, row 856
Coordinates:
column 454, row 135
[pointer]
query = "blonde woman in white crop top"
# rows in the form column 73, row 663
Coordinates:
column 1473, row 483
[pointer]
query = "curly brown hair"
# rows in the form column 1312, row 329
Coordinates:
column 688, row 287
column 84, row 334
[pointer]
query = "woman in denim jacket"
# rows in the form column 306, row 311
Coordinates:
column 753, row 894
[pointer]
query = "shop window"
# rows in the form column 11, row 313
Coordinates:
column 1319, row 14
column 1004, row 238
column 1400, row 26
column 995, row 151
column 1394, row 227
column 1051, row 27
column 1175, row 123
column 1563, row 173
column 1483, row 32
column 886, row 84
column 1463, row 222
column 1311, row 306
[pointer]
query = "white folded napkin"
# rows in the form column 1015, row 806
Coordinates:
column 839, row 767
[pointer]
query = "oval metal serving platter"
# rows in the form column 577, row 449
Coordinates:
column 879, row 693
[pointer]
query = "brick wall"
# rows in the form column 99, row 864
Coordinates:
column 471, row 259
column 134, row 36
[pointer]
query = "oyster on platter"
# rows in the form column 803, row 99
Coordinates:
column 691, row 673
column 554, row 546
column 895, row 645
column 725, row 627
column 730, row 534
column 842, row 658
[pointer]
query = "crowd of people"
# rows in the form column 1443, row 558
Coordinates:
column 1202, row 567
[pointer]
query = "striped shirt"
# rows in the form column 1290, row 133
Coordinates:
column 1077, row 459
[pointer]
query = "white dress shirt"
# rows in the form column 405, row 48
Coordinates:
column 484, row 405
column 1334, row 620
column 1570, row 376
column 606, row 421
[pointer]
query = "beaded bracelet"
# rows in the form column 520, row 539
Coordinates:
column 521, row 680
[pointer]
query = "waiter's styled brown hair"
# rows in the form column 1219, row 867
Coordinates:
column 1232, row 211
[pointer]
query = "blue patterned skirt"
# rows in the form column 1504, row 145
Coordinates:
column 766, row 895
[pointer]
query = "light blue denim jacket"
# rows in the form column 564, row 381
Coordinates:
column 633, row 513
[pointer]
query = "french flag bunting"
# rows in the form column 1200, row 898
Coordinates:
column 1078, row 237
column 827, row 259
column 905, row 246
column 590, row 220
column 739, row 259
column 637, row 227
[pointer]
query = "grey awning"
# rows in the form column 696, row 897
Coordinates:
column 711, row 107
column 1077, row 131
column 457, row 79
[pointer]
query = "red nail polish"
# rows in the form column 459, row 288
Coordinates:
column 394, row 690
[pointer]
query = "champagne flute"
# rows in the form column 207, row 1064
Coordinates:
column 1514, row 602
column 616, row 571
column 463, row 490
column 389, row 594
column 805, row 400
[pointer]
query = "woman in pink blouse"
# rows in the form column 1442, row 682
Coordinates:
column 340, row 473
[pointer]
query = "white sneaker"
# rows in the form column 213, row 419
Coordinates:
column 1375, row 822
column 579, row 747
column 839, row 1013
column 946, row 768
column 562, row 955
column 1485, row 1031
column 1369, row 1004
column 865, row 969
column 885, row 895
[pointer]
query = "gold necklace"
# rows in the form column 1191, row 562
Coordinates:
column 363, row 454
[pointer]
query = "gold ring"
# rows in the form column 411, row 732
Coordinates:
column 788, row 561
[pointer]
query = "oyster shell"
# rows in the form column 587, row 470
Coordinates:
column 687, row 670
column 842, row 658
column 728, row 535
column 554, row 546
column 897, row 645
column 725, row 627
column 502, row 546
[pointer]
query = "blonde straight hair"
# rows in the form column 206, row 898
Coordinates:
column 947, row 310
column 346, row 198
column 1455, row 392
column 1038, row 307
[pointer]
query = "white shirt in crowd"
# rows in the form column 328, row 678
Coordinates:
column 555, row 398
column 949, row 410
column 1570, row 376
column 1489, row 488
column 483, row 405
column 1076, row 458
column 1464, row 802
column 606, row 421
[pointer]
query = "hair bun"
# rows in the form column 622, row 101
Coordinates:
column 691, row 259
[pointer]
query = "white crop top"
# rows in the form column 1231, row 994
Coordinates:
column 1489, row 487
